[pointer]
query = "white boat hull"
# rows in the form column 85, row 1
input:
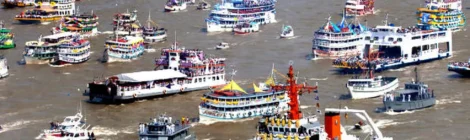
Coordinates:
column 363, row 93
column 175, row 8
column 154, row 39
column 3, row 72
column 32, row 60
column 289, row 35
column 239, row 115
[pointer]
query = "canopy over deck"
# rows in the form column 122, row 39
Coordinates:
column 145, row 76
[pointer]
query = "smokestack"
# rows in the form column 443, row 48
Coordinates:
column 333, row 125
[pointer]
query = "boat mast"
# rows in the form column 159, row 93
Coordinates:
column 148, row 21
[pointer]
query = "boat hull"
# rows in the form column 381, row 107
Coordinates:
column 240, row 115
column 7, row 46
column 106, row 97
column 400, row 106
column 461, row 71
column 36, row 20
column 4, row 72
column 366, row 92
column 33, row 60
column 154, row 39
column 175, row 8
column 380, row 68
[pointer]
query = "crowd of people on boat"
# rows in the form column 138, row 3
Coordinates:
column 255, row 3
column 460, row 64
column 148, row 85
column 34, row 14
column 354, row 61
column 410, row 29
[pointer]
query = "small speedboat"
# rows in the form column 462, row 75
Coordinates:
column 287, row 31
column 246, row 27
column 358, row 125
column 203, row 6
column 222, row 46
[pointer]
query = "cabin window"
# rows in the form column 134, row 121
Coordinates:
column 172, row 54
column 204, row 79
column 400, row 39
column 217, row 78
column 270, row 129
column 415, row 37
column 433, row 46
column 276, row 129
column 376, row 38
column 367, row 37
column 293, row 130
column 281, row 129
column 195, row 80
column 442, row 34
column 425, row 47
column 213, row 78
column 200, row 79
column 390, row 39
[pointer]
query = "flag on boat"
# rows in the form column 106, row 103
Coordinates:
column 317, row 98
column 232, row 86
column 256, row 88
column 169, row 85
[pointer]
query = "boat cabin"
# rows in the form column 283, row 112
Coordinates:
column 163, row 128
column 281, row 127
column 413, row 92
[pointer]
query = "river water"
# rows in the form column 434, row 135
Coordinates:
column 34, row 95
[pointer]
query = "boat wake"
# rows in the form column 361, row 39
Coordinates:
column 150, row 50
column 45, row 23
column 3, row 98
column 59, row 66
column 105, row 131
column 294, row 37
column 390, row 112
column 318, row 79
column 107, row 32
column 305, row 106
column 447, row 101
column 400, row 69
column 380, row 124
column 17, row 125
column 376, row 11
column 66, row 73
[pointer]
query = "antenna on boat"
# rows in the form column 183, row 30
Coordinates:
column 148, row 22
column 174, row 45
column 416, row 74
column 77, row 10
column 386, row 20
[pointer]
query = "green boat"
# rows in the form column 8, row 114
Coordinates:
column 6, row 38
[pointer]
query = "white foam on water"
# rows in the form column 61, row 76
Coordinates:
column 380, row 124
column 45, row 23
column 447, row 101
column 400, row 69
column 107, row 32
column 17, row 125
column 318, row 79
column 92, row 52
column 105, row 131
column 390, row 112
column 59, row 66
column 3, row 98
column 66, row 73
column 150, row 50
column 376, row 11
column 304, row 106
column 140, row 101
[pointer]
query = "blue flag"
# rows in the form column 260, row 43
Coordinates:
column 168, row 86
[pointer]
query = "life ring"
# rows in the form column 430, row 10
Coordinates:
column 134, row 95
column 164, row 91
column 181, row 90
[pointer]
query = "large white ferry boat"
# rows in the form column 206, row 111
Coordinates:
column 73, row 52
column 47, row 10
column 339, row 40
column 226, row 15
column 44, row 49
column 3, row 67
column 183, row 70
column 395, row 47
column 123, row 49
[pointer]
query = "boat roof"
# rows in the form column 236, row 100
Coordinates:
column 144, row 76
column 55, row 36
